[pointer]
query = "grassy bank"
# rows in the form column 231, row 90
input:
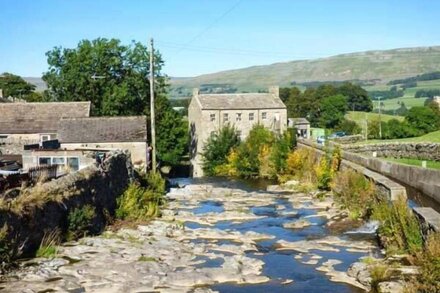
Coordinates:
column 430, row 137
column 415, row 162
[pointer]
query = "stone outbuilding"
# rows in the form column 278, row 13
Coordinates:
column 302, row 126
column 106, row 133
column 208, row 113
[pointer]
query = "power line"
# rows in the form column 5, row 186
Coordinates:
column 217, row 20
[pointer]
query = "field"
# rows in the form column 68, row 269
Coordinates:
column 430, row 137
column 393, row 104
column 415, row 162
column 359, row 117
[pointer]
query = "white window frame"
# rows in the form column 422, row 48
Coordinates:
column 263, row 115
column 238, row 117
column 212, row 117
column 225, row 117
column 251, row 116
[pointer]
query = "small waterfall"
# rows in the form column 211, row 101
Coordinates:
column 368, row 228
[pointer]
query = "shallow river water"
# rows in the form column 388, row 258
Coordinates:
column 215, row 235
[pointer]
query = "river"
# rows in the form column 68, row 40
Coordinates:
column 216, row 235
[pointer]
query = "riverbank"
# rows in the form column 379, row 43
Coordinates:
column 219, row 236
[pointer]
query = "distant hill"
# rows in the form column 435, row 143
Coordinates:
column 38, row 82
column 377, row 67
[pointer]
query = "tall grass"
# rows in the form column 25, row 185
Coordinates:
column 48, row 246
column 399, row 229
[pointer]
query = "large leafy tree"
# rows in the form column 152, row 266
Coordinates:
column 357, row 97
column 333, row 110
column 423, row 118
column 15, row 86
column 114, row 77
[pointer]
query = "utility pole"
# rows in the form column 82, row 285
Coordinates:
column 153, row 124
column 380, row 120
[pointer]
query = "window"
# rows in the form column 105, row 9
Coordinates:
column 263, row 115
column 225, row 117
column 58, row 161
column 239, row 133
column 238, row 117
column 212, row 117
column 73, row 163
column 251, row 116
column 44, row 161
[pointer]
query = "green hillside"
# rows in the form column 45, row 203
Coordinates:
column 380, row 66
column 359, row 117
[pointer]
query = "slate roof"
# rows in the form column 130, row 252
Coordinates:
column 299, row 121
column 103, row 129
column 240, row 101
column 26, row 118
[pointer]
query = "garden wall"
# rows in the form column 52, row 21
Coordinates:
column 421, row 151
column 49, row 204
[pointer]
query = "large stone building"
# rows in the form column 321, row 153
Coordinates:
column 208, row 113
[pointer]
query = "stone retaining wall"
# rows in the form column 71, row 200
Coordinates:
column 98, row 187
column 421, row 151
column 348, row 139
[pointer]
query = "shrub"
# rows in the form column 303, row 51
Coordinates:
column 354, row 192
column 300, row 165
column 323, row 173
column 217, row 149
column 248, row 160
column 80, row 221
column 399, row 229
column 280, row 151
column 142, row 203
column 379, row 273
column 6, row 253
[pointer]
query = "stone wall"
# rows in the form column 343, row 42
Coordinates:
column 421, row 151
column 348, row 139
column 94, row 186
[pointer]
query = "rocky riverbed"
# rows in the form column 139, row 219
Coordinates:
column 213, row 237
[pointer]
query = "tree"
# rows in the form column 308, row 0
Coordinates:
column 357, row 97
column 217, row 148
column 423, row 119
column 333, row 110
column 15, row 86
column 114, row 77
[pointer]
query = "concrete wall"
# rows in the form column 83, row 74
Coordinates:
column 421, row 151
column 385, row 187
column 90, row 186
column 425, row 180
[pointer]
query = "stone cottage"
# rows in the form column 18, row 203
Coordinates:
column 106, row 133
column 208, row 113
column 29, row 123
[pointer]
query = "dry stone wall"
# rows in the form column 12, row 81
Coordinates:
column 421, row 151
column 95, row 186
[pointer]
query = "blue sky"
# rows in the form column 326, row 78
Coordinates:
column 204, row 36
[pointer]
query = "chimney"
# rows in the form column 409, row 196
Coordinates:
column 274, row 90
column 196, row 92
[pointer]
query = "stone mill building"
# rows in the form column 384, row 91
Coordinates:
column 208, row 113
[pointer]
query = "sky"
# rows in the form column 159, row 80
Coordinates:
column 205, row 36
